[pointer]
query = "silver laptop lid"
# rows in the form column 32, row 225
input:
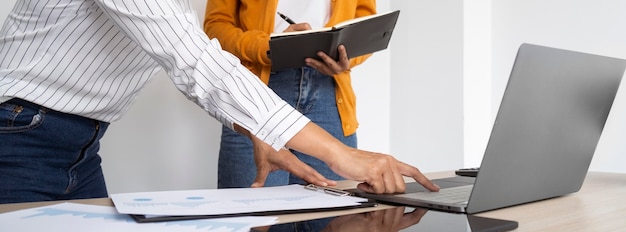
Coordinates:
column 548, row 125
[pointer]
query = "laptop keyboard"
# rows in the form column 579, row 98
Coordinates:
column 454, row 195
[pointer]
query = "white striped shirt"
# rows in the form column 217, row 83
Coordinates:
column 92, row 57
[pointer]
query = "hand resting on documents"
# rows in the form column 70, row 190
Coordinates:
column 378, row 173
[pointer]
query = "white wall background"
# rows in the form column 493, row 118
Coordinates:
column 429, row 99
column 593, row 26
column 164, row 143
column 426, row 85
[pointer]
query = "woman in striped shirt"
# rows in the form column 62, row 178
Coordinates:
column 70, row 67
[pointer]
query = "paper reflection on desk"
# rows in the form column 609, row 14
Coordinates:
column 66, row 217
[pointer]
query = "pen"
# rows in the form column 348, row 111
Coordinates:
column 286, row 18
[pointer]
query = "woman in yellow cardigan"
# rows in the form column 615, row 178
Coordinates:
column 322, row 91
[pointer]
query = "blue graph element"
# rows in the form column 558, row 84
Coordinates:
column 122, row 218
column 61, row 212
column 195, row 198
column 205, row 224
column 142, row 199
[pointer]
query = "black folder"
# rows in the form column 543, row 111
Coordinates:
column 360, row 36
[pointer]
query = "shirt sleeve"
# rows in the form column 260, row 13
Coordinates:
column 169, row 31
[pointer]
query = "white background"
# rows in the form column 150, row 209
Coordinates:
column 429, row 99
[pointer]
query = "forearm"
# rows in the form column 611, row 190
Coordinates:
column 315, row 141
column 311, row 140
column 379, row 173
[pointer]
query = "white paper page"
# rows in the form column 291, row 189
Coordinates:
column 228, row 201
column 289, row 33
column 67, row 217
column 359, row 19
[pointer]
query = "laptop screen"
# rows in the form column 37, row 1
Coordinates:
column 549, row 122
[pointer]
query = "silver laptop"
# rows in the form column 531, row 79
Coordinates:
column 550, row 120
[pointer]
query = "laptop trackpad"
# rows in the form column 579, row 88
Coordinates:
column 443, row 183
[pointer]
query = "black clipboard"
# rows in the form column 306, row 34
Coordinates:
column 360, row 36
column 336, row 192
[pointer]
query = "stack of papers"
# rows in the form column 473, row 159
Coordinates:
column 229, row 210
column 211, row 203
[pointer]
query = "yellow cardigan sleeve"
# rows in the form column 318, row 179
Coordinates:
column 222, row 21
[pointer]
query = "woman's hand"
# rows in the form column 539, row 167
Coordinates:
column 328, row 66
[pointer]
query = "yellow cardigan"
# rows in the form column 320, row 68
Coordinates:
column 243, row 28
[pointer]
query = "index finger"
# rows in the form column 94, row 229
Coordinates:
column 326, row 59
column 418, row 176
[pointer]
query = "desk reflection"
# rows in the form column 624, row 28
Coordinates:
column 394, row 219
column 400, row 218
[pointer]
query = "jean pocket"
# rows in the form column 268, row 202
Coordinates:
column 16, row 117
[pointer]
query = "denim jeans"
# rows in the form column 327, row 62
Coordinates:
column 311, row 93
column 48, row 155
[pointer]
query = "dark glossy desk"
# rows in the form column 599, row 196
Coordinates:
column 599, row 206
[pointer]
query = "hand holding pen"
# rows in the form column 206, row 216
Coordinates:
column 293, row 26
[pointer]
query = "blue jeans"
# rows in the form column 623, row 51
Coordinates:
column 47, row 155
column 311, row 93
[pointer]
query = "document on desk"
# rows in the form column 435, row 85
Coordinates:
column 211, row 203
column 93, row 218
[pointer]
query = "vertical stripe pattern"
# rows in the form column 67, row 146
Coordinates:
column 92, row 57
